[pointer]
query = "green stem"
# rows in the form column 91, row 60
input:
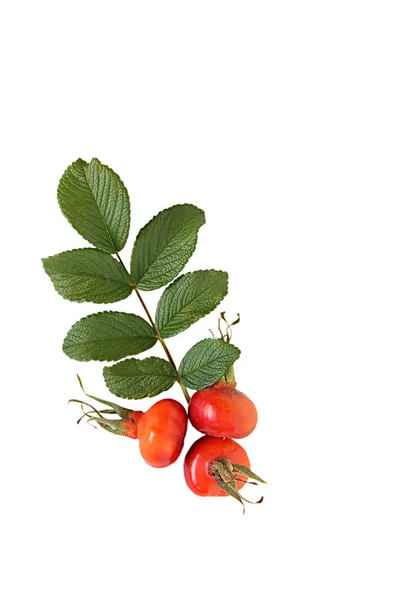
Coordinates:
column 171, row 360
column 157, row 333
column 229, row 376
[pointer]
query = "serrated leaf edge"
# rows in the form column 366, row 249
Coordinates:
column 103, row 312
column 152, row 395
column 148, row 225
column 85, row 165
column 99, row 277
column 203, row 292
column 183, row 377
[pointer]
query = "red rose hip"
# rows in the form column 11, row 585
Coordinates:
column 222, row 411
column 199, row 461
column 161, row 432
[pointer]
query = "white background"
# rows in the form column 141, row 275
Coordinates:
column 281, row 120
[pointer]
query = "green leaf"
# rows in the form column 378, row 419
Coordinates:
column 96, row 203
column 206, row 362
column 243, row 470
column 188, row 299
column 108, row 336
column 88, row 275
column 136, row 379
column 164, row 245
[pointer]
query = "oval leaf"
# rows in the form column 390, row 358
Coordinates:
column 108, row 336
column 164, row 245
column 136, row 379
column 206, row 362
column 88, row 275
column 96, row 203
column 188, row 299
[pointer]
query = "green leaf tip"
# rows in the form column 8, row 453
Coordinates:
column 243, row 470
column 95, row 201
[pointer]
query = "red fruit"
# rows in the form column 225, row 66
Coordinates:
column 161, row 432
column 222, row 411
column 199, row 462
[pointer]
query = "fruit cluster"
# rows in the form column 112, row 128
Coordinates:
column 96, row 203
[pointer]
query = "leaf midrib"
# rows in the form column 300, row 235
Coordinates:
column 143, row 376
column 93, row 277
column 85, row 167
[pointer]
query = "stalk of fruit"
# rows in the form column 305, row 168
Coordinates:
column 96, row 203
